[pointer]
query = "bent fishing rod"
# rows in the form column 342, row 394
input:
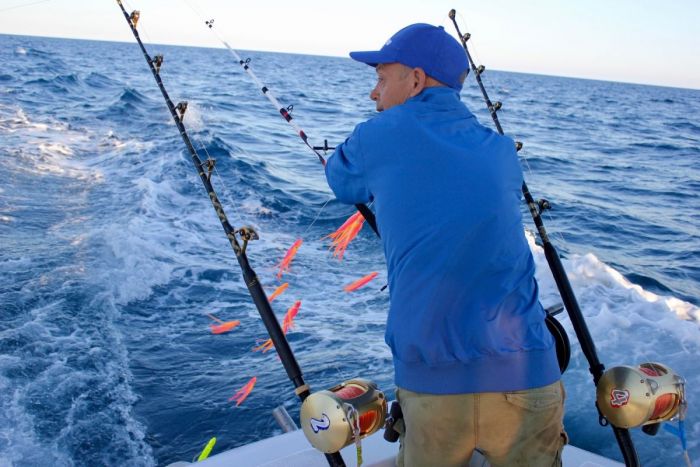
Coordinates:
column 566, row 292
column 286, row 114
column 205, row 169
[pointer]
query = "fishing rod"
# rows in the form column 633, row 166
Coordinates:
column 246, row 233
column 286, row 114
column 566, row 292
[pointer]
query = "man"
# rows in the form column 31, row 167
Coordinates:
column 474, row 363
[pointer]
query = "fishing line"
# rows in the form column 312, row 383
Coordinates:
column 227, row 417
column 163, row 71
column 245, row 234
column 342, row 375
column 24, row 5
column 523, row 154
column 330, row 198
column 210, row 161
column 228, row 197
column 285, row 112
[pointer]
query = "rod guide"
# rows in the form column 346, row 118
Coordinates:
column 181, row 108
column 247, row 233
column 157, row 62
column 134, row 17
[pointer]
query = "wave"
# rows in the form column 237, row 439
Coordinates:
column 53, row 85
column 652, row 145
column 662, row 101
column 34, row 52
column 99, row 81
column 685, row 125
column 68, row 83
column 131, row 96
column 126, row 105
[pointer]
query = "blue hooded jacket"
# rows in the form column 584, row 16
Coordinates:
column 464, row 314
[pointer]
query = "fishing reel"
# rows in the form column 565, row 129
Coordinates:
column 645, row 395
column 343, row 414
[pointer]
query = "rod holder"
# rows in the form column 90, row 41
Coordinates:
column 284, row 420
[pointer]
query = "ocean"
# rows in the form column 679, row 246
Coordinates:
column 111, row 256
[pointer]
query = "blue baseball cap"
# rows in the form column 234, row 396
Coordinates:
column 423, row 46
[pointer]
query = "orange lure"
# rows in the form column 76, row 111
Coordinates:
column 284, row 264
column 345, row 234
column 264, row 347
column 288, row 320
column 287, row 324
column 242, row 393
column 278, row 291
column 360, row 282
column 222, row 327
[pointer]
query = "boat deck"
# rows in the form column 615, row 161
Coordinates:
column 293, row 450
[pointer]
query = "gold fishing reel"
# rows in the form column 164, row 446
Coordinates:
column 643, row 395
column 343, row 414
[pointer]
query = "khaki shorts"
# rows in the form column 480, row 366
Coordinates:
column 520, row 428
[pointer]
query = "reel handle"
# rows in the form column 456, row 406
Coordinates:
column 395, row 414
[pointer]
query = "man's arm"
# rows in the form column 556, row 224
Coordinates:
column 345, row 171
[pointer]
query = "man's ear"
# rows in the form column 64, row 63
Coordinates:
column 419, row 77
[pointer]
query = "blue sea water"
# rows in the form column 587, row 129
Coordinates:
column 111, row 255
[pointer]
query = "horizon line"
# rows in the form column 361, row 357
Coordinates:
column 604, row 80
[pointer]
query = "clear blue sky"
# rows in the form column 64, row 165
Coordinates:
column 640, row 41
